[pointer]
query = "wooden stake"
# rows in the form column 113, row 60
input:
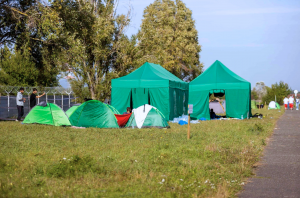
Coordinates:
column 189, row 128
column 265, row 105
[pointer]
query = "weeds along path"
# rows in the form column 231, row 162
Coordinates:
column 48, row 161
column 279, row 172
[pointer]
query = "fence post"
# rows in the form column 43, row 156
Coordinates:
column 8, row 101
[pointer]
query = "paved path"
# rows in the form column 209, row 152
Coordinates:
column 279, row 174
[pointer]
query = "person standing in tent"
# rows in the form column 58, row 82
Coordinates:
column 20, row 103
column 297, row 103
column 285, row 102
column 291, row 101
column 33, row 97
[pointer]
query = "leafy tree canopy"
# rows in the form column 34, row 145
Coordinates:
column 17, row 68
column 168, row 37
column 280, row 90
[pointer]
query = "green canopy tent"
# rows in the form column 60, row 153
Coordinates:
column 47, row 113
column 94, row 113
column 154, row 85
column 220, row 80
column 147, row 116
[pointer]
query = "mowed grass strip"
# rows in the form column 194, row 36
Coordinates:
column 46, row 161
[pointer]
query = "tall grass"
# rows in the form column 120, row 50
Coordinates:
column 46, row 161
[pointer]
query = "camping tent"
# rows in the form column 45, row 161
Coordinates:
column 253, row 104
column 47, row 113
column 154, row 85
column 113, row 109
column 273, row 105
column 94, row 113
column 72, row 109
column 217, row 107
column 147, row 116
column 218, row 79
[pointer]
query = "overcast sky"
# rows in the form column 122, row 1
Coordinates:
column 257, row 39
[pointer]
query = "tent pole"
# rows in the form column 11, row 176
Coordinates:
column 222, row 106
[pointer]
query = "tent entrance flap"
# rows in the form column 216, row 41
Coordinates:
column 217, row 107
column 139, row 97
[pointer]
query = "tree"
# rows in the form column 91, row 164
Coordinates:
column 90, row 39
column 168, row 37
column 260, row 89
column 22, row 27
column 280, row 90
column 17, row 68
column 254, row 95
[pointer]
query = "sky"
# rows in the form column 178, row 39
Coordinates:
column 257, row 39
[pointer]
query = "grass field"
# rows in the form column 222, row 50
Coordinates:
column 46, row 161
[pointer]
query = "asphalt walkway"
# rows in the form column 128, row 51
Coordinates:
column 279, row 172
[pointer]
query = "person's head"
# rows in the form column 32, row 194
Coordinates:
column 21, row 90
column 211, row 110
column 128, row 110
column 34, row 90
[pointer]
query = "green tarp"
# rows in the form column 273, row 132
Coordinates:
column 50, row 114
column 220, row 80
column 154, row 85
column 94, row 113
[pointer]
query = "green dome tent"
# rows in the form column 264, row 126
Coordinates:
column 253, row 104
column 147, row 116
column 47, row 113
column 151, row 84
column 113, row 109
column 220, row 80
column 71, row 110
column 94, row 113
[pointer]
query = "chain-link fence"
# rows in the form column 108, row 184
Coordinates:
column 8, row 107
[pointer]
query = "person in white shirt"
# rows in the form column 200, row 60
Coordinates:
column 20, row 103
column 291, row 101
column 297, row 103
column 285, row 102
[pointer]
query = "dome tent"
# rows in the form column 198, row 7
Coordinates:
column 147, row 116
column 253, row 104
column 94, row 113
column 273, row 105
column 73, row 108
column 47, row 113
column 113, row 109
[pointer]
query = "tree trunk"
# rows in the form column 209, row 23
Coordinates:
column 92, row 91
